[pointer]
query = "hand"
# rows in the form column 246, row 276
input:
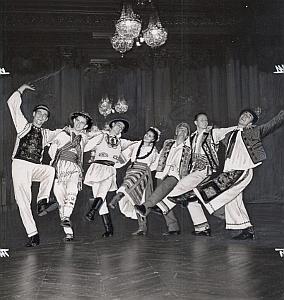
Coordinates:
column 209, row 128
column 24, row 87
column 80, row 186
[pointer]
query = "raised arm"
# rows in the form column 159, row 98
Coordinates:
column 219, row 133
column 14, row 104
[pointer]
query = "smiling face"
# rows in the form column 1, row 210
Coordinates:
column 149, row 137
column 245, row 119
column 79, row 123
column 201, row 122
column 182, row 132
column 117, row 128
column 40, row 116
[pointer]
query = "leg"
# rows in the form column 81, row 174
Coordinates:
column 162, row 190
column 200, row 223
column 142, row 226
column 22, row 181
column 172, row 224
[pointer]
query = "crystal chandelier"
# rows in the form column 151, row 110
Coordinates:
column 121, row 44
column 129, row 28
column 105, row 106
column 121, row 105
column 129, row 24
column 155, row 35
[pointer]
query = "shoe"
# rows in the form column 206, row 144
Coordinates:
column 184, row 199
column 69, row 237
column 246, row 234
column 44, row 207
column 141, row 210
column 206, row 232
column 90, row 216
column 156, row 209
column 139, row 232
column 33, row 241
column 115, row 200
column 66, row 222
column 172, row 232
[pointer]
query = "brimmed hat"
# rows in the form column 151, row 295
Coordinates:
column 126, row 124
column 252, row 112
column 84, row 115
column 42, row 106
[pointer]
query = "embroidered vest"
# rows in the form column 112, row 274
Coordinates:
column 30, row 146
column 185, row 162
column 210, row 149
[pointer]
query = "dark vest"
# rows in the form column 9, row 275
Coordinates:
column 30, row 146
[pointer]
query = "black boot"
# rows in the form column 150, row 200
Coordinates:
column 115, row 200
column 184, row 199
column 108, row 225
column 44, row 207
column 246, row 234
column 33, row 241
column 95, row 207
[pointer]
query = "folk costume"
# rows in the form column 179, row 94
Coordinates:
column 26, row 164
column 66, row 152
column 174, row 164
column 101, row 174
column 244, row 152
column 137, row 184
column 204, row 163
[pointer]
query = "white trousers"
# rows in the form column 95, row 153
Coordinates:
column 66, row 194
column 235, row 212
column 23, row 174
column 100, row 189
column 186, row 184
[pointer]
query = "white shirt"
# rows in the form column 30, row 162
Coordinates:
column 240, row 159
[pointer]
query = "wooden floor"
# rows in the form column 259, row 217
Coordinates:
column 153, row 267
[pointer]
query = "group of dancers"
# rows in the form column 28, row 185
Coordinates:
column 185, row 170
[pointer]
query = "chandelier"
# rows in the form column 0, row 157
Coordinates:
column 129, row 29
column 105, row 106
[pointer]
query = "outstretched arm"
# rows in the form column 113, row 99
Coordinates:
column 272, row 125
column 14, row 104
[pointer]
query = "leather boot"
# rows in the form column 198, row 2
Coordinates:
column 108, row 225
column 90, row 216
column 142, row 226
column 115, row 200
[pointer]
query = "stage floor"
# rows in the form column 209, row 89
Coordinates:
column 151, row 267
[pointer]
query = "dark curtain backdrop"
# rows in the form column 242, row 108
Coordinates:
column 161, row 91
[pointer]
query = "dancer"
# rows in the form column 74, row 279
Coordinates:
column 137, row 184
column 244, row 152
column 66, row 152
column 101, row 174
column 174, row 164
column 26, row 165
column 205, row 144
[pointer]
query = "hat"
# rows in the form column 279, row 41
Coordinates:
column 253, row 113
column 82, row 114
column 42, row 106
column 183, row 124
column 125, row 123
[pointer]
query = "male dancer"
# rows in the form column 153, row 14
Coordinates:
column 174, row 164
column 244, row 152
column 205, row 144
column 66, row 152
column 26, row 166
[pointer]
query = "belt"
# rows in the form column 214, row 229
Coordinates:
column 104, row 162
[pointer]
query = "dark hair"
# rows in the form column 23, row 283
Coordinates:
column 253, row 113
column 156, row 136
column 199, row 114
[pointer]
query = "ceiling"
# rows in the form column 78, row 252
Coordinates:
column 89, row 24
